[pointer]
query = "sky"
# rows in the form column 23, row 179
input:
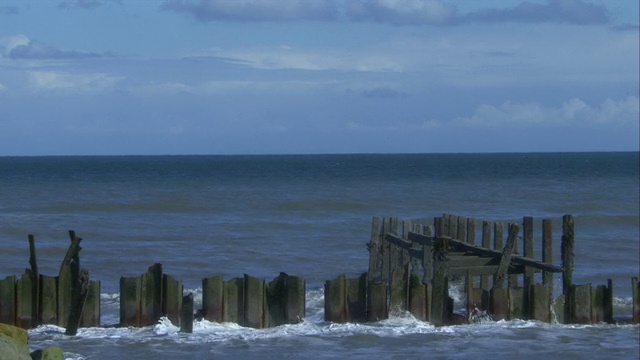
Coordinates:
column 120, row 77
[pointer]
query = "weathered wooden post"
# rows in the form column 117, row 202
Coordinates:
column 376, row 301
column 500, row 304
column 581, row 309
column 486, row 243
column 151, row 295
column 635, row 290
column 527, row 239
column 376, row 252
column 70, row 294
column 78, row 300
column 25, row 318
column 48, row 300
column 233, row 301
column 253, row 302
column 335, row 300
column 186, row 314
column 567, row 265
column 357, row 298
column 130, row 301
column 602, row 303
column 35, row 282
column 8, row 300
column 91, row 311
column 398, row 289
column 212, row 301
column 440, row 286
column 172, row 298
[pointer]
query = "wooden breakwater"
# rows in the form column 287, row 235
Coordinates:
column 411, row 266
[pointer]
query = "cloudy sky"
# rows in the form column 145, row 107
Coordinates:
column 317, row 76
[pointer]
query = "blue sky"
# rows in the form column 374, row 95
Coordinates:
column 85, row 77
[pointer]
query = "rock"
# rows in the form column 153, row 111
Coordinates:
column 53, row 353
column 14, row 343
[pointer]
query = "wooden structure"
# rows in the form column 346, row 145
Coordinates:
column 69, row 300
column 411, row 266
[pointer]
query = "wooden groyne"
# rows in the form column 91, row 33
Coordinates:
column 411, row 267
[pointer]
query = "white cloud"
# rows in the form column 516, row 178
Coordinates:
column 8, row 43
column 56, row 80
column 575, row 111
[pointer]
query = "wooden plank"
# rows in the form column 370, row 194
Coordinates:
column 427, row 257
column 608, row 303
column 507, row 252
column 296, row 299
column 130, row 301
column 376, row 252
column 24, row 297
column 471, row 260
column 516, row 303
column 91, row 311
column 8, row 300
column 253, row 302
column 635, row 295
column 172, row 298
column 417, row 251
column 598, row 299
column 233, row 301
column 335, row 300
column 527, row 239
column 276, row 301
column 453, row 227
column 357, row 298
column 151, row 295
column 581, row 309
column 186, row 314
column 212, row 303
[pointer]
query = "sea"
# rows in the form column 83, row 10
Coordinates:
column 310, row 216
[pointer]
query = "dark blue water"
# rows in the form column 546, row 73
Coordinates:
column 310, row 215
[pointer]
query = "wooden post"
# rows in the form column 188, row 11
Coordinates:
column 471, row 231
column 527, row 231
column 186, row 314
column 253, row 302
column 486, row 243
column 276, row 301
column 48, row 300
column 357, row 299
column 598, row 300
column 539, row 303
column 376, row 252
column 8, row 300
column 130, row 301
column 581, row 311
column 151, row 295
column 427, row 257
column 440, row 286
column 172, row 298
column 35, row 281
column 233, row 301
column 567, row 265
column 635, row 290
column 417, row 298
column 212, row 292
column 376, row 301
column 608, row 302
column 91, row 311
column 547, row 254
column 65, row 290
column 462, row 228
column 499, row 303
column 69, row 281
column 335, row 300
column 391, row 226
column 513, row 278
column 398, row 291
column 505, row 259
column 296, row 299
column 78, row 300
column 24, row 298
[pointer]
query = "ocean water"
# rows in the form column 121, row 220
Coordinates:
column 310, row 216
